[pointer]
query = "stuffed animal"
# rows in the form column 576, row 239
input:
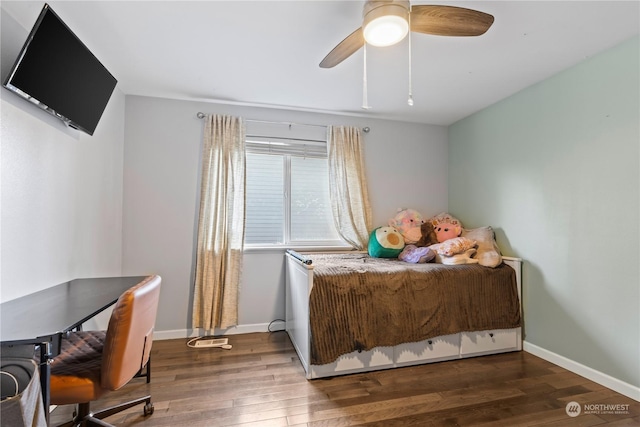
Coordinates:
column 408, row 222
column 451, row 249
column 416, row 255
column 454, row 246
column 385, row 242
column 428, row 237
column 457, row 259
column 446, row 226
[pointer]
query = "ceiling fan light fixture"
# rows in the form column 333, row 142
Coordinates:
column 385, row 24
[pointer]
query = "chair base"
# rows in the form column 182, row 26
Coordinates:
column 145, row 372
column 85, row 418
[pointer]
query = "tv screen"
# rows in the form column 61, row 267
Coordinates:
column 57, row 72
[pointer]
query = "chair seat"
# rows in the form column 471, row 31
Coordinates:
column 76, row 371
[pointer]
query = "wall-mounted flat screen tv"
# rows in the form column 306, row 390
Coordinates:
column 57, row 72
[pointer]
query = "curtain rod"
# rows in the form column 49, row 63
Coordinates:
column 201, row 115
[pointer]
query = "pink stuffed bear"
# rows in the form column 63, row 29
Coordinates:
column 446, row 227
column 408, row 222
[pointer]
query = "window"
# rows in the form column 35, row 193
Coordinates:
column 287, row 193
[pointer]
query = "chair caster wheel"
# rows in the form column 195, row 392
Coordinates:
column 148, row 409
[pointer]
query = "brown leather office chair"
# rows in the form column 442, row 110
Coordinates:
column 93, row 363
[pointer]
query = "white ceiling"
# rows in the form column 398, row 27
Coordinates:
column 267, row 53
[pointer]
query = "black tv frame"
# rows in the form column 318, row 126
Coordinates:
column 59, row 106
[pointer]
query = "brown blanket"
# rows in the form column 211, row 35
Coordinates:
column 358, row 302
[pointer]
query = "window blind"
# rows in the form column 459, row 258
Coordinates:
column 311, row 216
column 275, row 145
column 287, row 193
column 264, row 211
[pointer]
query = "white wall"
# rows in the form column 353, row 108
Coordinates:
column 555, row 168
column 406, row 167
column 61, row 197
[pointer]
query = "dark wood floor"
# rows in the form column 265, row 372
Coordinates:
column 260, row 382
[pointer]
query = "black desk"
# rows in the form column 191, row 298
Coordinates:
column 43, row 317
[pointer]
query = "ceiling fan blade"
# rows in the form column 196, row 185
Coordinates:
column 344, row 49
column 449, row 20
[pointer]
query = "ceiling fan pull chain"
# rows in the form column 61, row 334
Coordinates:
column 410, row 100
column 365, row 98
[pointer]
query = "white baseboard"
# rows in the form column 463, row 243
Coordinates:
column 235, row 330
column 584, row 371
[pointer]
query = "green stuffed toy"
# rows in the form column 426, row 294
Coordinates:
column 385, row 242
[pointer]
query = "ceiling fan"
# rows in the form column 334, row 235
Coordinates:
column 387, row 22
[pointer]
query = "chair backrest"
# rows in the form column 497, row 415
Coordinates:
column 130, row 333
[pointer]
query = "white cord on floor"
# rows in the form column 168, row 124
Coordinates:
column 15, row 381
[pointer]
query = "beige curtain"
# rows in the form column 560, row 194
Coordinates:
column 348, row 187
column 221, row 224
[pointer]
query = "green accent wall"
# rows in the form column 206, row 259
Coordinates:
column 555, row 170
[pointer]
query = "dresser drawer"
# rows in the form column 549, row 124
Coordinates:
column 477, row 343
column 439, row 348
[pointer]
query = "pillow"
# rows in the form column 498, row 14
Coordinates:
column 488, row 253
column 414, row 254
column 385, row 242
column 453, row 246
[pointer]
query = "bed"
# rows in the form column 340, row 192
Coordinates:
column 349, row 313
